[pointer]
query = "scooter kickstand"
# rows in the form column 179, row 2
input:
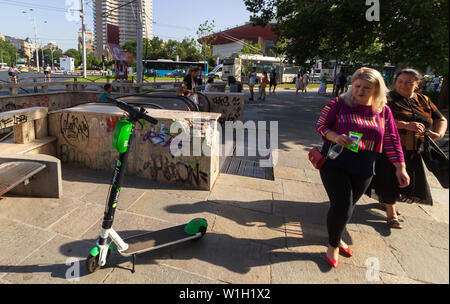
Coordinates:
column 134, row 263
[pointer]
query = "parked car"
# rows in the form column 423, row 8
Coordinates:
column 177, row 74
column 24, row 69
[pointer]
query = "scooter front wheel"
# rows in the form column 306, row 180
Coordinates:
column 92, row 262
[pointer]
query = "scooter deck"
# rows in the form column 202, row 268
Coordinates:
column 157, row 239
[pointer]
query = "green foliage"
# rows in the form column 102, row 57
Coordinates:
column 75, row 55
column 206, row 31
column 251, row 49
column 410, row 33
column 7, row 53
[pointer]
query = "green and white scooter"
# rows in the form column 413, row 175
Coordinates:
column 195, row 229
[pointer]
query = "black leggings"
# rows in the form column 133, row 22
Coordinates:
column 343, row 190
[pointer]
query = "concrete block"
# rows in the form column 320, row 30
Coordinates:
column 41, row 128
column 47, row 183
column 24, row 133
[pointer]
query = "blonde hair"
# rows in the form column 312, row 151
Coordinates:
column 375, row 78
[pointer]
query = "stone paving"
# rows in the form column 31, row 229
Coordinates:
column 260, row 231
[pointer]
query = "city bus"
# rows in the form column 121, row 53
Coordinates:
column 162, row 67
column 239, row 66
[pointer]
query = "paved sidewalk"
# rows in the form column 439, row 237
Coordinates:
column 260, row 231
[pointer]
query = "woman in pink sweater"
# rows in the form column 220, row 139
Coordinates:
column 362, row 125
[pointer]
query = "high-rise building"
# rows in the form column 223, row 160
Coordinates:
column 122, row 13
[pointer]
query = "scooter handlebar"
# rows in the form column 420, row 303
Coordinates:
column 132, row 110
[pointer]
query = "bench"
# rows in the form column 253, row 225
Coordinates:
column 20, row 159
column 14, row 173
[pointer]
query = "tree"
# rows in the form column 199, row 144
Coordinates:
column 75, row 55
column 206, row 39
column 7, row 53
column 410, row 33
column 130, row 46
column 250, row 48
column 57, row 53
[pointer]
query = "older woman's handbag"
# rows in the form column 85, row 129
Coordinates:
column 435, row 160
column 316, row 158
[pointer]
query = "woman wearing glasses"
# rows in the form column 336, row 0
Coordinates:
column 357, row 125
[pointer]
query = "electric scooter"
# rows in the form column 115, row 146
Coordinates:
column 129, row 247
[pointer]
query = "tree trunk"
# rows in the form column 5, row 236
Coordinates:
column 443, row 96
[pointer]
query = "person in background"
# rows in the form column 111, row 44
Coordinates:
column 305, row 81
column 413, row 113
column 273, row 81
column 262, row 87
column 340, row 81
column 209, row 84
column 107, row 89
column 299, row 83
column 13, row 72
column 349, row 79
column 436, row 82
column 323, row 85
column 188, row 87
column 252, row 82
column 47, row 73
column 199, row 77
column 361, row 126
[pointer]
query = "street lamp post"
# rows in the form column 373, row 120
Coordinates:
column 35, row 39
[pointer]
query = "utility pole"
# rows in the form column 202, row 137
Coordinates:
column 139, row 43
column 36, row 44
column 83, row 38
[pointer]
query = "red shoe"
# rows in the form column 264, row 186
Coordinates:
column 331, row 262
column 345, row 251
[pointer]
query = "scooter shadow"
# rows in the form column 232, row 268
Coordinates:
column 238, row 255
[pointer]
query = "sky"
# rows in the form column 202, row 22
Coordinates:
column 173, row 19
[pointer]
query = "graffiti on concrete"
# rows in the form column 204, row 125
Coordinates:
column 10, row 107
column 74, row 128
column 175, row 171
column 68, row 154
column 12, row 121
column 111, row 123
column 231, row 110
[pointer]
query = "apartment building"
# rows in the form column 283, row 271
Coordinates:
column 25, row 46
column 107, row 12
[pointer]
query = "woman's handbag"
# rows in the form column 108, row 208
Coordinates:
column 316, row 158
column 435, row 160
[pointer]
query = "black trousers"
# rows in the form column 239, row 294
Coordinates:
column 343, row 190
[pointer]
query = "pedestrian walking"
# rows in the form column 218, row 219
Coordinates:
column 273, row 81
column 251, row 82
column 413, row 113
column 299, row 85
column 323, row 85
column 262, row 87
column 340, row 81
column 305, row 81
column 355, row 127
column 349, row 80
column 47, row 73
